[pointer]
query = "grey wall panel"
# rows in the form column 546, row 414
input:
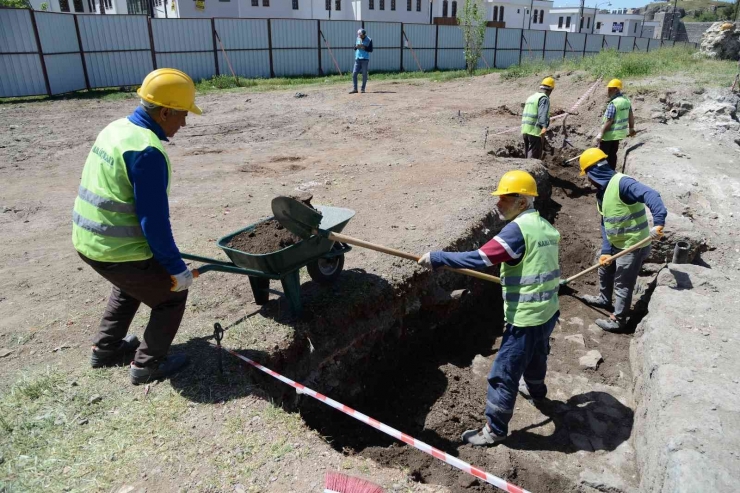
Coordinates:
column 627, row 44
column 197, row 65
column 488, row 56
column 450, row 37
column 509, row 38
column 384, row 34
column 533, row 40
column 341, row 34
column 611, row 42
column 532, row 56
column 594, row 42
column 16, row 31
column 57, row 32
column 490, row 40
column 451, row 59
column 294, row 34
column 65, row 73
column 641, row 44
column 21, row 75
column 654, row 44
column 667, row 43
column 553, row 56
column 576, row 42
column 295, row 62
column 113, row 32
column 246, row 63
column 385, row 60
column 242, row 33
column 118, row 69
column 506, row 58
column 425, row 57
column 573, row 54
column 345, row 59
column 420, row 35
column 182, row 35
column 555, row 40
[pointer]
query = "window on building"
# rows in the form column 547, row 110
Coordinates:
column 581, row 26
column 560, row 22
column 444, row 8
column 265, row 3
column 633, row 31
column 393, row 4
column 598, row 25
column 408, row 5
column 501, row 14
column 534, row 17
column 542, row 16
column 371, row 4
column 418, row 5
column 78, row 6
column 454, row 9
column 295, row 4
column 495, row 12
column 518, row 11
column 108, row 4
column 338, row 5
column 567, row 22
column 255, row 3
column 588, row 23
column 64, row 5
column 382, row 4
column 328, row 4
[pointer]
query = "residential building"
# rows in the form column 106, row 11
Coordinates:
column 70, row 6
column 619, row 24
column 570, row 19
column 527, row 14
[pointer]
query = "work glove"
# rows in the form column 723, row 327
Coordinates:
column 656, row 232
column 543, row 132
column 605, row 260
column 426, row 261
column 181, row 281
column 597, row 140
column 632, row 132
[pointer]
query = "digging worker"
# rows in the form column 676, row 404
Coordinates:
column 527, row 249
column 536, row 119
column 363, row 48
column 621, row 202
column 618, row 117
column 121, row 228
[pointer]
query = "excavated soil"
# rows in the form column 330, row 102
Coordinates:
column 267, row 237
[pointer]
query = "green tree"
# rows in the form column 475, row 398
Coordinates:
column 18, row 4
column 473, row 24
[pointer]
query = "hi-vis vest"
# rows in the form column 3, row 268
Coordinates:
column 529, row 115
column 105, row 225
column 618, row 130
column 625, row 225
column 530, row 288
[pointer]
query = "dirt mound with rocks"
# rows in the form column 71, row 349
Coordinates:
column 720, row 42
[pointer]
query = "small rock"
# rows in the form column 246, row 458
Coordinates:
column 713, row 408
column 327, row 182
column 300, row 95
column 94, row 399
column 576, row 339
column 576, row 321
column 5, row 352
column 13, row 127
column 724, row 339
column 591, row 360
column 82, row 421
column 126, row 488
column 594, row 329
column 239, row 489
column 466, row 481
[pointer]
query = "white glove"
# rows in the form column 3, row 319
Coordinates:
column 597, row 139
column 656, row 232
column 426, row 261
column 181, row 281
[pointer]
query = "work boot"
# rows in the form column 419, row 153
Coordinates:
column 482, row 438
column 610, row 324
column 353, row 91
column 596, row 301
column 165, row 368
column 362, row 91
column 116, row 355
column 524, row 390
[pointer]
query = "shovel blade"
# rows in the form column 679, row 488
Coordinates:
column 295, row 216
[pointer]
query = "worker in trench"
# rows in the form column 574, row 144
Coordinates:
column 527, row 249
column 121, row 228
column 621, row 202
column 536, row 119
column 617, row 119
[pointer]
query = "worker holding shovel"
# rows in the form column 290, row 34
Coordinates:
column 536, row 119
column 618, row 117
column 527, row 249
column 621, row 202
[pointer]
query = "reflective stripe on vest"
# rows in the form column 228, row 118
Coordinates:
column 625, row 225
column 529, row 115
column 618, row 130
column 105, row 226
column 530, row 288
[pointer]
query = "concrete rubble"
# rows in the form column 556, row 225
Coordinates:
column 720, row 42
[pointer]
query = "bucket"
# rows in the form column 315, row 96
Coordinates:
column 681, row 253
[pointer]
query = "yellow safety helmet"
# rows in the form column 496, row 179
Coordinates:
column 615, row 83
column 590, row 157
column 169, row 88
column 548, row 82
column 516, row 181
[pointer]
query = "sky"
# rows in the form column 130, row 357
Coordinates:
column 615, row 4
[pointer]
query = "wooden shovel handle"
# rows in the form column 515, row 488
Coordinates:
column 408, row 256
column 611, row 259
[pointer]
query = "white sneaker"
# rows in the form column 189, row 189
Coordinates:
column 483, row 437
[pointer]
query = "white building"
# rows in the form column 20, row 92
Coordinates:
column 527, row 14
column 70, row 6
column 619, row 24
column 570, row 19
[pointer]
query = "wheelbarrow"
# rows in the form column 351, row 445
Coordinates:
column 323, row 258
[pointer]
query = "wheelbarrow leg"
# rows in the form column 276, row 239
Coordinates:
column 292, row 289
column 260, row 289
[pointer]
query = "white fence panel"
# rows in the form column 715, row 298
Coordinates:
column 424, row 56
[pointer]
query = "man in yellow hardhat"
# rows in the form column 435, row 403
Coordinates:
column 621, row 201
column 527, row 249
column 121, row 228
column 617, row 119
column 536, row 118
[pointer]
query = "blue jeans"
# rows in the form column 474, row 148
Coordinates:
column 360, row 66
column 524, row 352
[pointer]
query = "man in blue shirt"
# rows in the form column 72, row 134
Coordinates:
column 363, row 48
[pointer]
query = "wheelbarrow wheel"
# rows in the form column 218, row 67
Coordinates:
column 326, row 270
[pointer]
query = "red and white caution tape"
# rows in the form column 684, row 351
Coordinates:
column 418, row 444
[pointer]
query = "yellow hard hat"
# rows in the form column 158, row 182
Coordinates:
column 169, row 88
column 615, row 83
column 590, row 157
column 726, row 26
column 549, row 82
column 516, row 181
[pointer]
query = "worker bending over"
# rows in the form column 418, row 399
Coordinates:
column 527, row 249
column 617, row 118
column 536, row 119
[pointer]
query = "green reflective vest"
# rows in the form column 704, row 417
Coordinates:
column 618, row 130
column 530, row 287
column 625, row 225
column 105, row 226
column 529, row 115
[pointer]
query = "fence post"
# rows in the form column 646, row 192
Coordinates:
column 544, row 46
column 634, row 44
column 565, row 45
column 436, row 46
column 82, row 53
column 215, row 49
column 619, row 43
column 495, row 47
column 41, row 52
column 401, row 48
column 318, row 37
column 151, row 42
column 521, row 45
column 585, row 42
column 269, row 46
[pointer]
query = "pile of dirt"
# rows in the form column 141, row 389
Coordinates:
column 508, row 150
column 267, row 237
column 721, row 42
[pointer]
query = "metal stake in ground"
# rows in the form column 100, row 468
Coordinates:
column 304, row 221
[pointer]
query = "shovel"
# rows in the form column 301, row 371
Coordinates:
column 303, row 221
column 642, row 243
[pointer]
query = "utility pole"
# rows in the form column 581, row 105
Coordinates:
column 580, row 17
column 531, row 5
column 673, row 20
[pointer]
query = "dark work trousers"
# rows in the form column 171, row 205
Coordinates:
column 532, row 146
column 619, row 278
column 610, row 148
column 134, row 283
column 361, row 66
column 524, row 353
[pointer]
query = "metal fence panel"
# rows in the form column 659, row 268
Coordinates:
column 531, row 56
column 594, row 42
column 490, row 40
column 384, row 34
column 667, row 43
column 345, row 59
column 425, row 57
column 16, row 31
column 295, row 62
column 554, row 55
column 196, row 65
column 627, row 44
column 450, row 37
column 555, row 41
column 533, row 40
column 57, row 32
column 21, row 75
column 654, row 44
column 506, row 58
column 386, row 59
column 420, row 35
column 242, row 34
column 114, row 69
column 576, row 42
column 573, row 54
column 340, row 34
column 451, row 59
column 486, row 55
column 65, row 72
column 250, row 64
column 113, row 32
column 611, row 42
column 287, row 33
column 641, row 44
column 509, row 38
column 173, row 35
